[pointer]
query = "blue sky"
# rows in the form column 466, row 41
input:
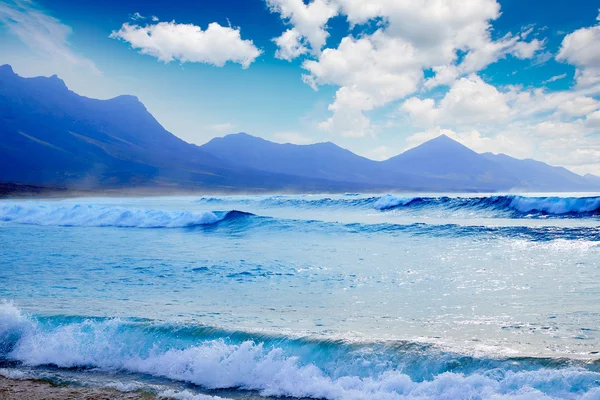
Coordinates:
column 377, row 77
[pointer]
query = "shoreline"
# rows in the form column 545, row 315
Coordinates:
column 39, row 389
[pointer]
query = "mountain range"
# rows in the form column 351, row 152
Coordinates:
column 53, row 137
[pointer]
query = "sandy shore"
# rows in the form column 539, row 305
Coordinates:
column 11, row 389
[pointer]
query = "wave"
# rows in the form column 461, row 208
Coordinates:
column 285, row 366
column 99, row 216
column 110, row 216
column 515, row 205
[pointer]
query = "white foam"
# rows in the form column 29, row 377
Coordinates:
column 11, row 373
column 98, row 215
column 112, row 345
column 389, row 201
column 186, row 395
column 556, row 205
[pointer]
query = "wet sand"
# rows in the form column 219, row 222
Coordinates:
column 12, row 389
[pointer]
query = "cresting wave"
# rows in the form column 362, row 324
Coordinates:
column 110, row 216
column 516, row 206
column 96, row 215
column 285, row 366
column 574, row 206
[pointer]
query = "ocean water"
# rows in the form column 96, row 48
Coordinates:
column 349, row 296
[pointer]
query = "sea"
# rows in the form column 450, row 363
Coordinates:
column 350, row 296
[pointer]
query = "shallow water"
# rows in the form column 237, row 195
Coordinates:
column 337, row 297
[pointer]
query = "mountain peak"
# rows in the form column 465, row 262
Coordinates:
column 6, row 69
column 444, row 139
column 441, row 144
column 126, row 99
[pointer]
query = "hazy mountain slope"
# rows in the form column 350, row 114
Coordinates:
column 52, row 136
column 458, row 166
column 538, row 175
column 320, row 160
column 593, row 180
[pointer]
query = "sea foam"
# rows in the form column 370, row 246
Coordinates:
column 271, row 368
column 98, row 215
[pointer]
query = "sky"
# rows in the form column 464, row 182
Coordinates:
column 376, row 77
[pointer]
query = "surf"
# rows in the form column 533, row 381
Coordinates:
column 110, row 216
column 280, row 365
column 513, row 206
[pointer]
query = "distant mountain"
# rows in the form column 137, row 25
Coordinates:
column 320, row 160
column 593, row 180
column 52, row 137
column 540, row 176
column 446, row 160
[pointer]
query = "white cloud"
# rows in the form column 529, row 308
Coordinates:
column 555, row 78
column 380, row 153
column 136, row 16
column 290, row 45
column 579, row 106
column 155, row 18
column 309, row 24
column 592, row 121
column 387, row 65
column 168, row 41
column 469, row 102
column 423, row 112
column 225, row 127
column 44, row 35
column 582, row 49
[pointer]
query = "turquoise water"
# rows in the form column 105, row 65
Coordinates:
column 337, row 297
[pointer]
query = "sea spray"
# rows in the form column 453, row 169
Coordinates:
column 280, row 366
column 98, row 215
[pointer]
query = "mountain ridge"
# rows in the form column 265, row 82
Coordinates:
column 53, row 136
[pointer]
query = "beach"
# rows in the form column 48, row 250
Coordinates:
column 16, row 389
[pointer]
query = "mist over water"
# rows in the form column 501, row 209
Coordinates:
column 338, row 297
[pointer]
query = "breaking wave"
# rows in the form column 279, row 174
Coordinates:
column 517, row 206
column 97, row 215
column 49, row 214
column 285, row 366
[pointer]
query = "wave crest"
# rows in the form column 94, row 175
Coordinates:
column 575, row 206
column 96, row 215
column 284, row 367
column 514, row 204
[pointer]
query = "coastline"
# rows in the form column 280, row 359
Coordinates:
column 37, row 389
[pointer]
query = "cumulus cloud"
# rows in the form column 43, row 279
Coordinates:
column 309, row 25
column 582, row 49
column 592, row 120
column 375, row 68
column 169, row 41
column 290, row 45
column 469, row 102
column 43, row 34
column 579, row 106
